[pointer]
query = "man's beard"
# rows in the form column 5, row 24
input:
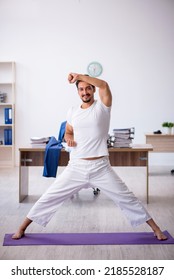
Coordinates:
column 86, row 100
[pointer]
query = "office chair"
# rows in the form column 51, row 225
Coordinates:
column 96, row 191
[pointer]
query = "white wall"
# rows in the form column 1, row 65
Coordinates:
column 132, row 39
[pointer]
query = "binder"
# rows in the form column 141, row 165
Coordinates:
column 8, row 136
column 8, row 115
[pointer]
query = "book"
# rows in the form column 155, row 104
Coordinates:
column 121, row 130
column 130, row 130
column 122, row 145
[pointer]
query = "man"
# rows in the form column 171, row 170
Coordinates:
column 86, row 133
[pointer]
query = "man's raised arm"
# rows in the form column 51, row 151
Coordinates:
column 104, row 90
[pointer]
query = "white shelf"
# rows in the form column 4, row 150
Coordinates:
column 6, row 146
column 7, row 85
column 6, row 125
column 6, row 104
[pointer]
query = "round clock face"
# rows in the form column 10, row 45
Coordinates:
column 95, row 69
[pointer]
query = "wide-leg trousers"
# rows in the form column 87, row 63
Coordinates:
column 80, row 174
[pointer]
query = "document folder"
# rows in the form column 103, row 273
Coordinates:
column 8, row 115
column 8, row 136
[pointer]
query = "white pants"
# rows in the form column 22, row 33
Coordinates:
column 81, row 174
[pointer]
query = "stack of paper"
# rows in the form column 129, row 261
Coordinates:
column 39, row 141
column 3, row 97
column 122, row 138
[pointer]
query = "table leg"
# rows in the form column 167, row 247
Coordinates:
column 145, row 158
column 147, row 179
column 23, row 180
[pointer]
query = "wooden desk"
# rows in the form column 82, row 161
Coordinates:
column 136, row 156
column 162, row 143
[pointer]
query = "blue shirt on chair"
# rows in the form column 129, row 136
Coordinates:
column 52, row 153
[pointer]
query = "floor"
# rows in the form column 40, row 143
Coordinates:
column 88, row 213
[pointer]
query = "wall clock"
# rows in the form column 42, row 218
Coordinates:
column 94, row 69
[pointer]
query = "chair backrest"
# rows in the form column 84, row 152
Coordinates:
column 62, row 131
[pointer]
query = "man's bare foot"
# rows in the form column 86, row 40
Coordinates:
column 18, row 234
column 160, row 235
column 157, row 232
column 22, row 228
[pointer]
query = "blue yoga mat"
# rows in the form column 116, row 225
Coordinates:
column 121, row 238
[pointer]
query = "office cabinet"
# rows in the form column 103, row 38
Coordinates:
column 162, row 143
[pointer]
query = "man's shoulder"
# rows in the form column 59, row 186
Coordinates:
column 102, row 106
column 73, row 108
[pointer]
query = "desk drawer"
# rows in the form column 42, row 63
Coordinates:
column 32, row 158
column 36, row 158
column 134, row 158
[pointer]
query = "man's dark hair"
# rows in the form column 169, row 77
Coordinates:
column 78, row 81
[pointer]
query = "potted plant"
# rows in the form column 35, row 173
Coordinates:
column 169, row 126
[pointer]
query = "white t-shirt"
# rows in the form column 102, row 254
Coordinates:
column 91, row 128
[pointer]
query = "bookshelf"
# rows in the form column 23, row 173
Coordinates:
column 7, row 113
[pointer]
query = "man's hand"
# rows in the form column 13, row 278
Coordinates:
column 104, row 90
column 71, row 143
column 69, row 136
column 72, row 78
